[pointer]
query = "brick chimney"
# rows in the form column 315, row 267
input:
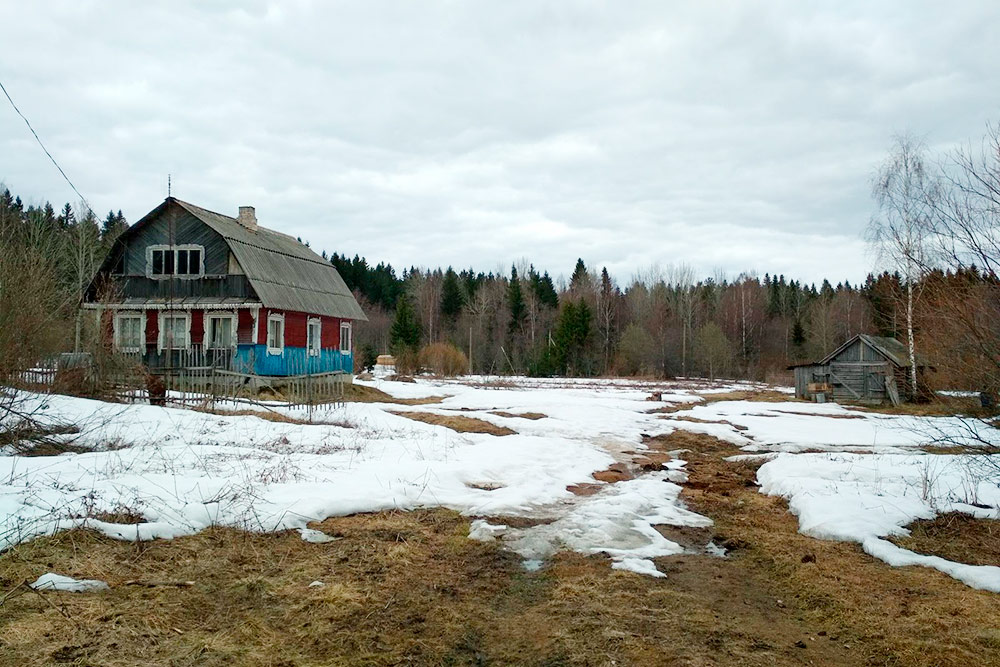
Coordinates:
column 248, row 218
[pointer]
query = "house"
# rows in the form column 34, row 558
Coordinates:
column 866, row 368
column 189, row 288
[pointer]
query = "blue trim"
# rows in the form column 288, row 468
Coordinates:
column 293, row 361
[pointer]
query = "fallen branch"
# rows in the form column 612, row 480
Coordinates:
column 51, row 603
column 155, row 584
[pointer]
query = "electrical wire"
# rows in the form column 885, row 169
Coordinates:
column 39, row 140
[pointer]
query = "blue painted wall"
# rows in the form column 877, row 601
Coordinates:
column 294, row 361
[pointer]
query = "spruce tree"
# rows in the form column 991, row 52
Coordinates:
column 451, row 297
column 515, row 301
column 404, row 336
column 580, row 277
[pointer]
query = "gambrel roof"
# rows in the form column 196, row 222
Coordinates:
column 284, row 273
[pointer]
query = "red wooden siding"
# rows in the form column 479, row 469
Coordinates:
column 197, row 326
column 330, row 334
column 295, row 329
column 152, row 327
column 262, row 326
column 244, row 327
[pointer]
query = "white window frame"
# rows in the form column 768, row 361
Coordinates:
column 280, row 318
column 219, row 315
column 161, row 338
column 130, row 314
column 174, row 249
column 346, row 326
column 314, row 350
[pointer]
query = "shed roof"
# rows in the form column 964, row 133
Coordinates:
column 285, row 274
column 890, row 348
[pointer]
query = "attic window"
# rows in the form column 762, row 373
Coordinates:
column 184, row 261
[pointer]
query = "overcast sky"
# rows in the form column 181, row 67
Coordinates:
column 729, row 136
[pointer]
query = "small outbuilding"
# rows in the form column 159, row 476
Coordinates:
column 869, row 369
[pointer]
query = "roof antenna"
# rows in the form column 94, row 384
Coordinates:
column 168, row 185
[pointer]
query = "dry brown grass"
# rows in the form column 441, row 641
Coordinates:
column 411, row 588
column 356, row 393
column 763, row 396
column 519, row 415
column 267, row 415
column 459, row 423
column 401, row 588
column 943, row 406
column 892, row 616
column 955, row 536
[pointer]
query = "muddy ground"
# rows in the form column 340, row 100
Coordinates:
column 409, row 588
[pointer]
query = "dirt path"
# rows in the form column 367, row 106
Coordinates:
column 411, row 588
column 849, row 607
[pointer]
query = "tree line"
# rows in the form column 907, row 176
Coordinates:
column 936, row 221
column 662, row 323
column 48, row 259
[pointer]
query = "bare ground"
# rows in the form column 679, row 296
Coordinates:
column 955, row 536
column 459, row 423
column 519, row 415
column 411, row 589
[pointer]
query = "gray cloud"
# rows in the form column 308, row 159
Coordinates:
column 718, row 134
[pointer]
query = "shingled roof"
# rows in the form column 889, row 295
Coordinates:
column 284, row 273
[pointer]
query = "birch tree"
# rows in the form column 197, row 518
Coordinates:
column 900, row 230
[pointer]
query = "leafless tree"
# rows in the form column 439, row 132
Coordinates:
column 682, row 280
column 900, row 231
column 966, row 221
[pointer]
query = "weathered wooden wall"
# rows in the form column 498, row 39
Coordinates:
column 177, row 227
column 857, row 373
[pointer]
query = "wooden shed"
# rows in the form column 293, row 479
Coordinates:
column 870, row 369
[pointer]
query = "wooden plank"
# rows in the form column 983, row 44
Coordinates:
column 845, row 385
column 891, row 389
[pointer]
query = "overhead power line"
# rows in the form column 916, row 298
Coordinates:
column 39, row 140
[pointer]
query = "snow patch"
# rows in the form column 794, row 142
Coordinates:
column 57, row 582
column 483, row 531
column 316, row 536
column 639, row 566
column 864, row 498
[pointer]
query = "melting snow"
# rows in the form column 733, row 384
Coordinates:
column 182, row 471
column 57, row 582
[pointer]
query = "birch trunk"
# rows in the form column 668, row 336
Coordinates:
column 909, row 339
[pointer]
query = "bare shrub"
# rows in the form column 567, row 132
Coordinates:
column 442, row 359
column 407, row 362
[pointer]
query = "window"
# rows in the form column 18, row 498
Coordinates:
column 183, row 261
column 275, row 334
column 157, row 269
column 174, row 331
column 219, row 332
column 345, row 337
column 130, row 332
column 313, row 331
column 188, row 261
